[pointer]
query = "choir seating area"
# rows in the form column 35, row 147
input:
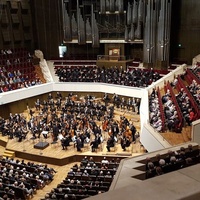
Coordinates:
column 83, row 71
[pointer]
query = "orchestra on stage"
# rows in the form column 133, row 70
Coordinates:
column 77, row 121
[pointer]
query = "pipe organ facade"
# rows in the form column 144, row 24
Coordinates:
column 130, row 21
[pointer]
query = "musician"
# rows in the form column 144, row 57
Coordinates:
column 125, row 142
column 110, row 143
column 133, row 131
column 106, row 99
column 55, row 131
column 129, row 103
column 31, row 112
column 58, row 103
column 124, row 122
column 44, row 106
column 59, row 95
column 37, row 104
column 138, row 105
column 65, row 142
column 49, row 97
column 115, row 128
column 123, row 103
column 116, row 100
column 2, row 122
column 45, row 128
column 94, row 144
column 34, row 131
column 110, row 112
column 79, row 144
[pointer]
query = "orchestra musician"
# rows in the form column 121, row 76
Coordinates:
column 59, row 95
column 110, row 143
column 79, row 144
column 116, row 100
column 37, row 104
column 123, row 103
column 94, row 144
column 106, row 99
column 125, row 142
column 49, row 97
column 65, row 142
column 129, row 104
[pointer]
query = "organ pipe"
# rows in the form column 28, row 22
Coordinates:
column 156, row 31
column 102, row 6
column 129, row 14
column 141, row 10
column 120, row 5
column 74, row 27
column 134, row 12
column 67, row 27
column 95, row 31
column 112, row 5
column 126, row 34
column 107, row 5
column 88, row 30
column 132, row 33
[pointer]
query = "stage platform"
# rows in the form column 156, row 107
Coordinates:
column 54, row 154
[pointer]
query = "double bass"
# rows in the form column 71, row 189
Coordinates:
column 127, row 133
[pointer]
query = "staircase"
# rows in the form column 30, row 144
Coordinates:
column 39, row 73
column 9, row 154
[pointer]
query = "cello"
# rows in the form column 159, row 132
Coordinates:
column 105, row 125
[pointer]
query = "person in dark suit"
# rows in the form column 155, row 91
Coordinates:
column 94, row 145
column 125, row 142
column 79, row 144
column 110, row 143
column 106, row 99
column 55, row 131
column 65, row 142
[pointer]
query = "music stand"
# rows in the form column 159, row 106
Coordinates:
column 41, row 140
column 45, row 133
column 23, row 146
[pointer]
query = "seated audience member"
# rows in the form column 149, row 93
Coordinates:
column 159, row 171
column 104, row 161
column 151, row 172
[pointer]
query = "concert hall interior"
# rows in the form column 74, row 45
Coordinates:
column 99, row 99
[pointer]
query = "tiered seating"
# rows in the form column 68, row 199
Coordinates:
column 17, row 70
column 190, row 76
column 114, row 75
column 174, row 118
column 179, row 113
column 88, row 179
column 20, row 180
column 157, row 117
column 196, row 70
column 162, row 164
column 162, row 114
column 195, row 106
